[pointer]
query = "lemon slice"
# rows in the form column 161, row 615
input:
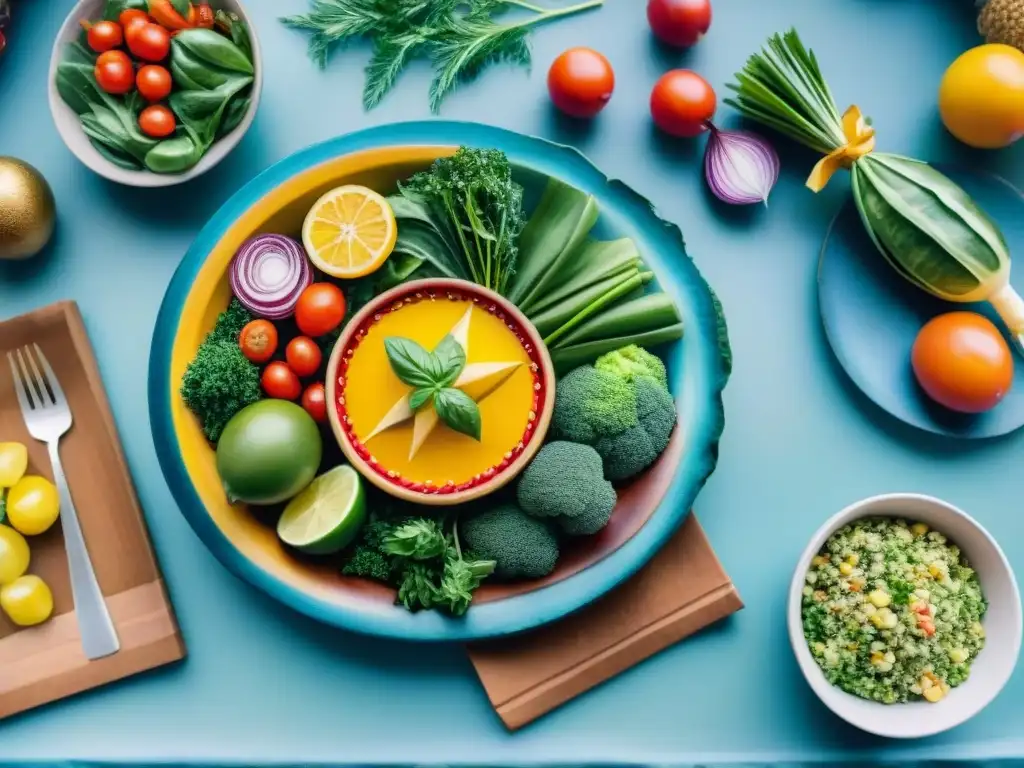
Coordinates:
column 349, row 232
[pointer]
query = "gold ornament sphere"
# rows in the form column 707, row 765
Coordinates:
column 27, row 210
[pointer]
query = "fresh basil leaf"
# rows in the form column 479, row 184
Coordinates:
column 420, row 396
column 410, row 362
column 451, row 359
column 458, row 411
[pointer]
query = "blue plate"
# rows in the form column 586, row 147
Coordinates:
column 872, row 316
column 698, row 366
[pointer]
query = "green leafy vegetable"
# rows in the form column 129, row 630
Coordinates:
column 476, row 209
column 460, row 37
column 426, row 565
column 459, row 411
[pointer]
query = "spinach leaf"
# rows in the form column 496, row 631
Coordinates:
column 175, row 155
column 194, row 72
column 234, row 26
column 234, row 112
column 212, row 48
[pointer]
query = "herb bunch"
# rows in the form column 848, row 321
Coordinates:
column 423, row 561
column 459, row 37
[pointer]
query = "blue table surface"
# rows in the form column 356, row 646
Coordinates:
column 263, row 684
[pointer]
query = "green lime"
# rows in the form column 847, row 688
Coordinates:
column 327, row 515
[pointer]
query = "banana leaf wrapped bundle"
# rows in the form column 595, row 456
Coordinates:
column 925, row 225
column 5, row 19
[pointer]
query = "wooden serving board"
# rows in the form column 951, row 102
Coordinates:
column 682, row 590
column 45, row 663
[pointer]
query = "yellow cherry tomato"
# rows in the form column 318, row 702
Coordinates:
column 33, row 505
column 14, row 555
column 27, row 601
column 981, row 98
column 13, row 463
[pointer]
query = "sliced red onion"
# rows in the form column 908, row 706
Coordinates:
column 740, row 167
column 268, row 273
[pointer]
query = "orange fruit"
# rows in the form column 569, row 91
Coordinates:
column 981, row 98
column 961, row 361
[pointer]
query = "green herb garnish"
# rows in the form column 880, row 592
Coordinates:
column 459, row 37
column 432, row 374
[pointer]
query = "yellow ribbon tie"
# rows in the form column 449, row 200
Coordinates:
column 860, row 139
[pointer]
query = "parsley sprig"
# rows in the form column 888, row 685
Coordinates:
column 461, row 38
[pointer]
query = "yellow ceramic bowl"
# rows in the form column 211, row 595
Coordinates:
column 649, row 510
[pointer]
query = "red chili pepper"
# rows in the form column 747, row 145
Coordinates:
column 204, row 16
column 164, row 14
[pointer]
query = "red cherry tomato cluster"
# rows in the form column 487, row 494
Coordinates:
column 147, row 40
column 581, row 80
column 320, row 311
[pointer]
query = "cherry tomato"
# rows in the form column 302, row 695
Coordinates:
column 132, row 21
column 303, row 356
column 258, row 340
column 113, row 72
column 104, row 35
column 280, row 381
column 150, row 42
column 320, row 309
column 157, row 121
column 679, row 22
column 581, row 82
column 154, row 82
column 314, row 400
column 962, row 362
column 682, row 103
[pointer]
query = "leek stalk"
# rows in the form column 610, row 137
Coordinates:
column 923, row 224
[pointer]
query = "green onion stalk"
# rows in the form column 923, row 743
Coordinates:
column 925, row 225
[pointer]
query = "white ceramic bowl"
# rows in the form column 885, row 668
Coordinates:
column 992, row 667
column 70, row 129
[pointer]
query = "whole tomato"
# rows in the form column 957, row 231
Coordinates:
column 150, row 42
column 320, row 309
column 154, row 82
column 280, row 381
column 681, row 23
column 581, row 82
column 258, row 340
column 113, row 72
column 104, row 35
column 132, row 20
column 157, row 121
column 682, row 103
column 314, row 400
column 303, row 356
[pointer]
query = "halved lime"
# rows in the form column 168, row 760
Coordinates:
column 327, row 515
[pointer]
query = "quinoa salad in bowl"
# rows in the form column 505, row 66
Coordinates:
column 892, row 611
column 904, row 615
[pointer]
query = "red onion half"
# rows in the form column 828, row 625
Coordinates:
column 740, row 167
column 268, row 273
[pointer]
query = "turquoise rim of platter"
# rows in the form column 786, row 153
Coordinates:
column 699, row 367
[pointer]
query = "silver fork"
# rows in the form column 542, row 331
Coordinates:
column 48, row 418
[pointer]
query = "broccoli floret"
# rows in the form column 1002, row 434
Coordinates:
column 565, row 482
column 590, row 404
column 632, row 361
column 218, row 383
column 634, row 450
column 369, row 563
column 523, row 547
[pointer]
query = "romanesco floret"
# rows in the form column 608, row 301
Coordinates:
column 590, row 404
column 632, row 361
column 634, row 450
column 565, row 483
column 524, row 547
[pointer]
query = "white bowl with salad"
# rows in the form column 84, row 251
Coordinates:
column 904, row 615
column 152, row 93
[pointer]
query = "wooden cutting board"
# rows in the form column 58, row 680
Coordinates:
column 45, row 663
column 680, row 591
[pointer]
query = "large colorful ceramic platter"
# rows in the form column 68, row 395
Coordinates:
column 483, row 357
column 872, row 316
